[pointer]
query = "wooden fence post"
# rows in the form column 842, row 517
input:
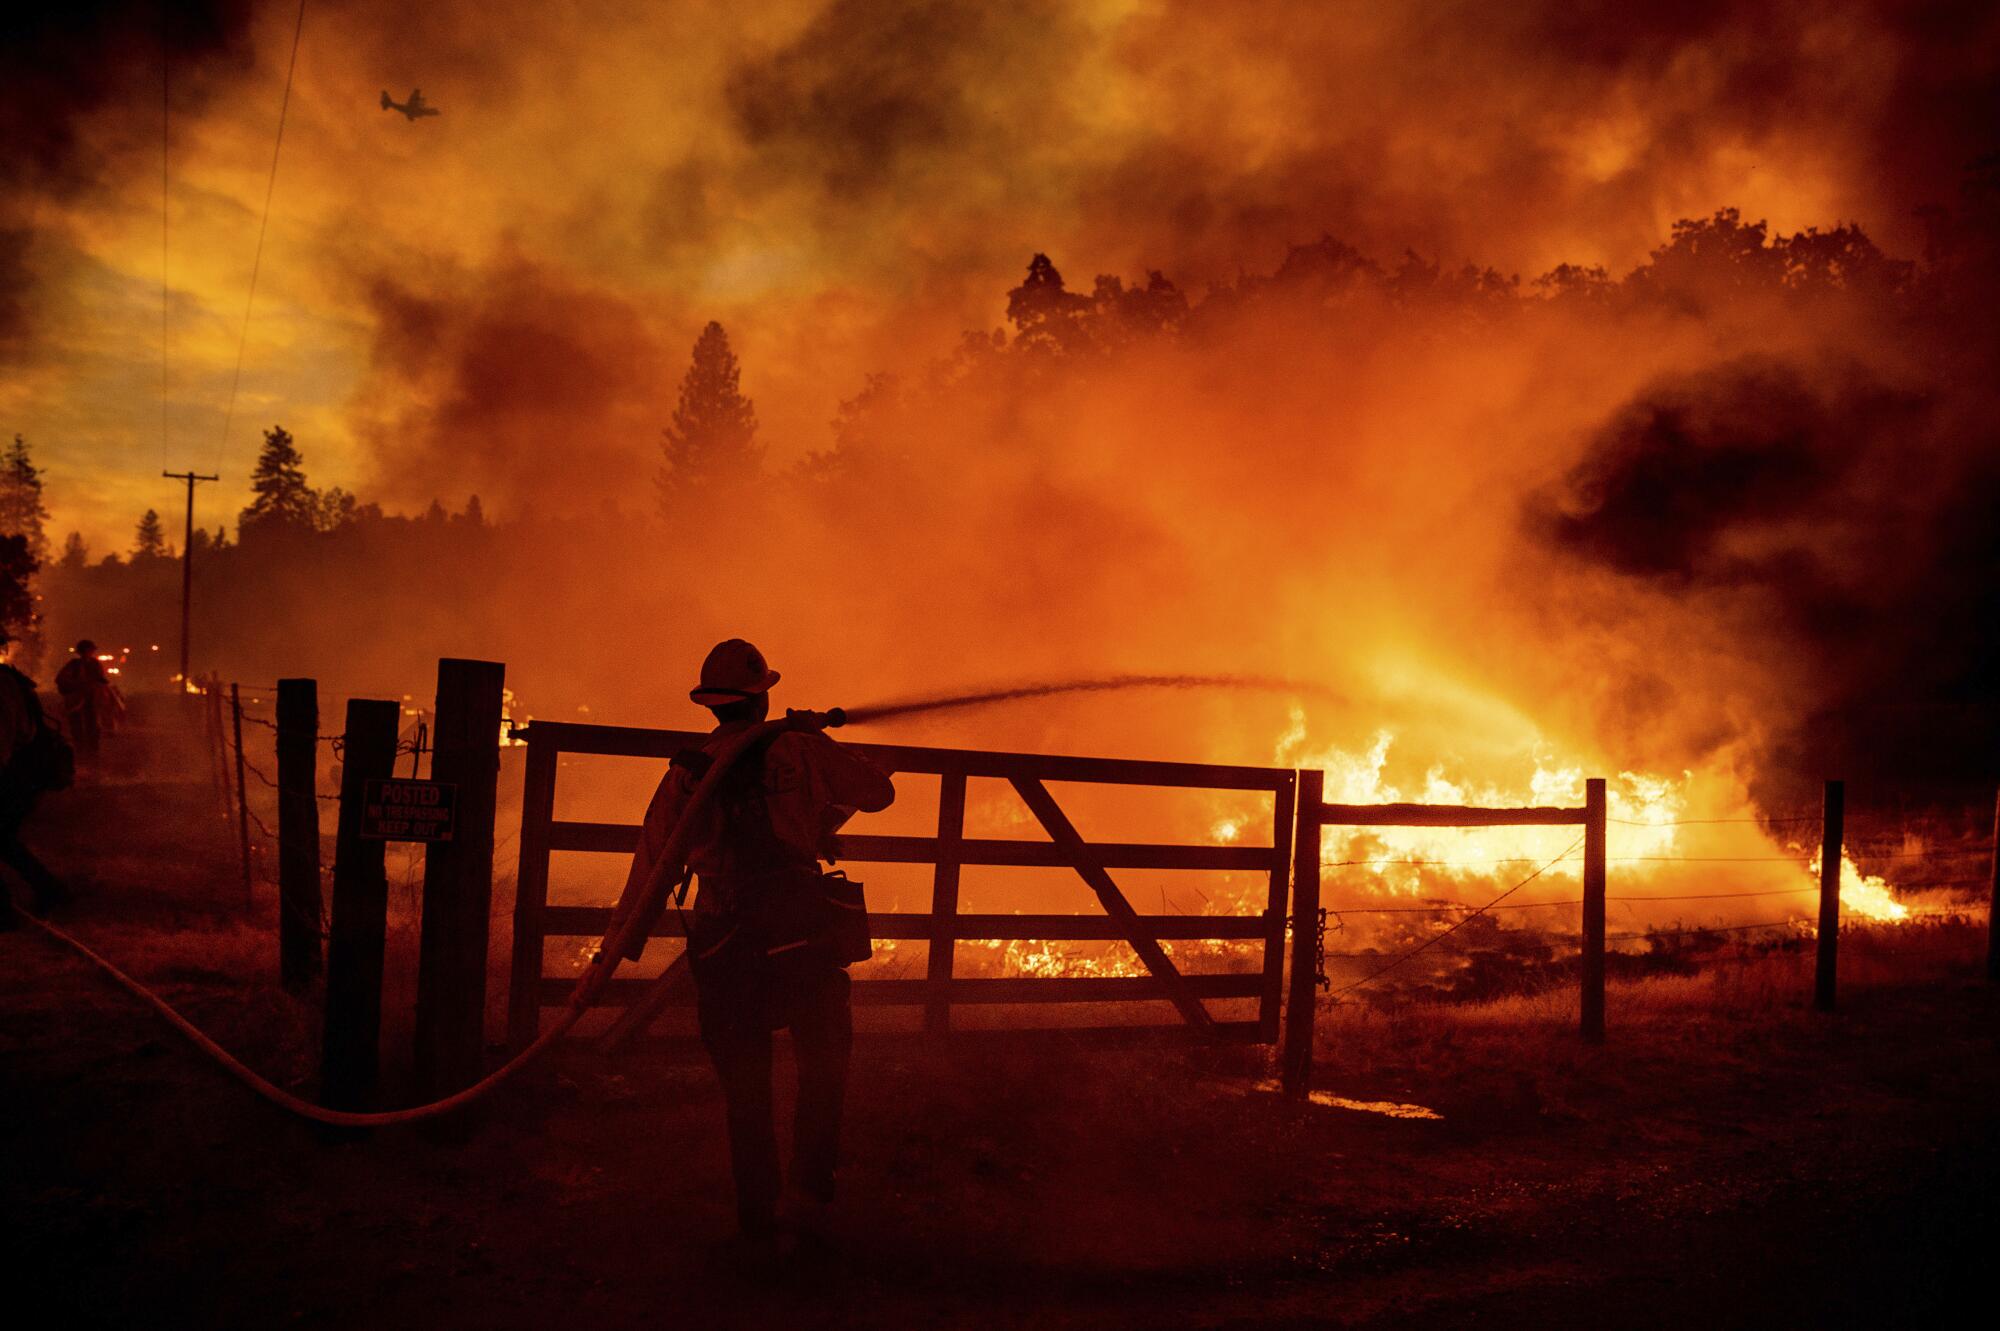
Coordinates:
column 531, row 895
column 458, row 880
column 1270, row 998
column 1593, row 910
column 1993, row 911
column 943, row 945
column 242, row 802
column 213, row 738
column 299, row 921
column 353, row 1035
column 218, row 742
column 1303, row 997
column 1827, row 959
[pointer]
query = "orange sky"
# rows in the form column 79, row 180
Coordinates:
column 848, row 185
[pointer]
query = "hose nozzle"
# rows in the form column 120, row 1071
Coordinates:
column 798, row 719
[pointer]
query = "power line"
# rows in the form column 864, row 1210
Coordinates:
column 257, row 260
column 1443, row 907
column 1663, row 859
column 166, row 140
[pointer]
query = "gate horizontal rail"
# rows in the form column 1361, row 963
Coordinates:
column 591, row 922
column 999, row 989
column 948, row 851
column 1442, row 815
column 635, row 742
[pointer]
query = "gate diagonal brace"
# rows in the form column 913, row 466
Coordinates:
column 1064, row 834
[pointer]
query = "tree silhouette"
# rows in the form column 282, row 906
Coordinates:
column 17, row 602
column 75, row 554
column 711, row 446
column 334, row 509
column 151, row 541
column 1326, row 270
column 1121, row 314
column 21, row 510
column 1709, row 261
column 1842, row 259
column 1576, row 284
column 1046, row 317
column 284, row 502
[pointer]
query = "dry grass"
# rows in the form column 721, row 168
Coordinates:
column 1518, row 1057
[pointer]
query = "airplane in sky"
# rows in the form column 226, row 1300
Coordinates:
column 413, row 109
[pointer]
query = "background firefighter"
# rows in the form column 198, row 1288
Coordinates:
column 755, row 852
column 91, row 702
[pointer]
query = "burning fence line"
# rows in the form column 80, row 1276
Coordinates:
column 1648, row 824
column 1647, row 815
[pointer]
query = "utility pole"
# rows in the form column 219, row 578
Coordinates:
column 187, row 562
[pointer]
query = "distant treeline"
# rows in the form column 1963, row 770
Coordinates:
column 299, row 552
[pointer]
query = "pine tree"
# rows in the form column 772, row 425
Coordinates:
column 75, row 554
column 711, row 447
column 283, row 499
column 151, row 540
column 21, row 510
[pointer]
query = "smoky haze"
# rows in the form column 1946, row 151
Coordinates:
column 1719, row 513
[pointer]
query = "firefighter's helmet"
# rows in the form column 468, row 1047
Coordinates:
column 734, row 670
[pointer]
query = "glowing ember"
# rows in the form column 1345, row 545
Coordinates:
column 1386, row 1108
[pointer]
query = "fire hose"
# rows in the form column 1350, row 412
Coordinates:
column 627, row 920
column 631, row 917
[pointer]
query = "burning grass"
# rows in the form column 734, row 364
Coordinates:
column 1744, row 986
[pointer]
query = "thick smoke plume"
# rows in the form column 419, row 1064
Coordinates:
column 1840, row 523
column 1477, row 457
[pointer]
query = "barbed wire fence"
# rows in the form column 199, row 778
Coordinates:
column 1452, row 917
column 1462, row 913
column 228, row 749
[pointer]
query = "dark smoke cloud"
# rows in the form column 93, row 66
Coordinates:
column 80, row 98
column 1532, row 134
column 1841, row 527
column 63, row 65
column 517, row 380
column 874, row 91
column 1698, row 459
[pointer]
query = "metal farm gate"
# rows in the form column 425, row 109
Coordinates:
column 947, row 850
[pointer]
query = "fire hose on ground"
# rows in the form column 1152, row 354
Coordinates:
column 629, row 918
